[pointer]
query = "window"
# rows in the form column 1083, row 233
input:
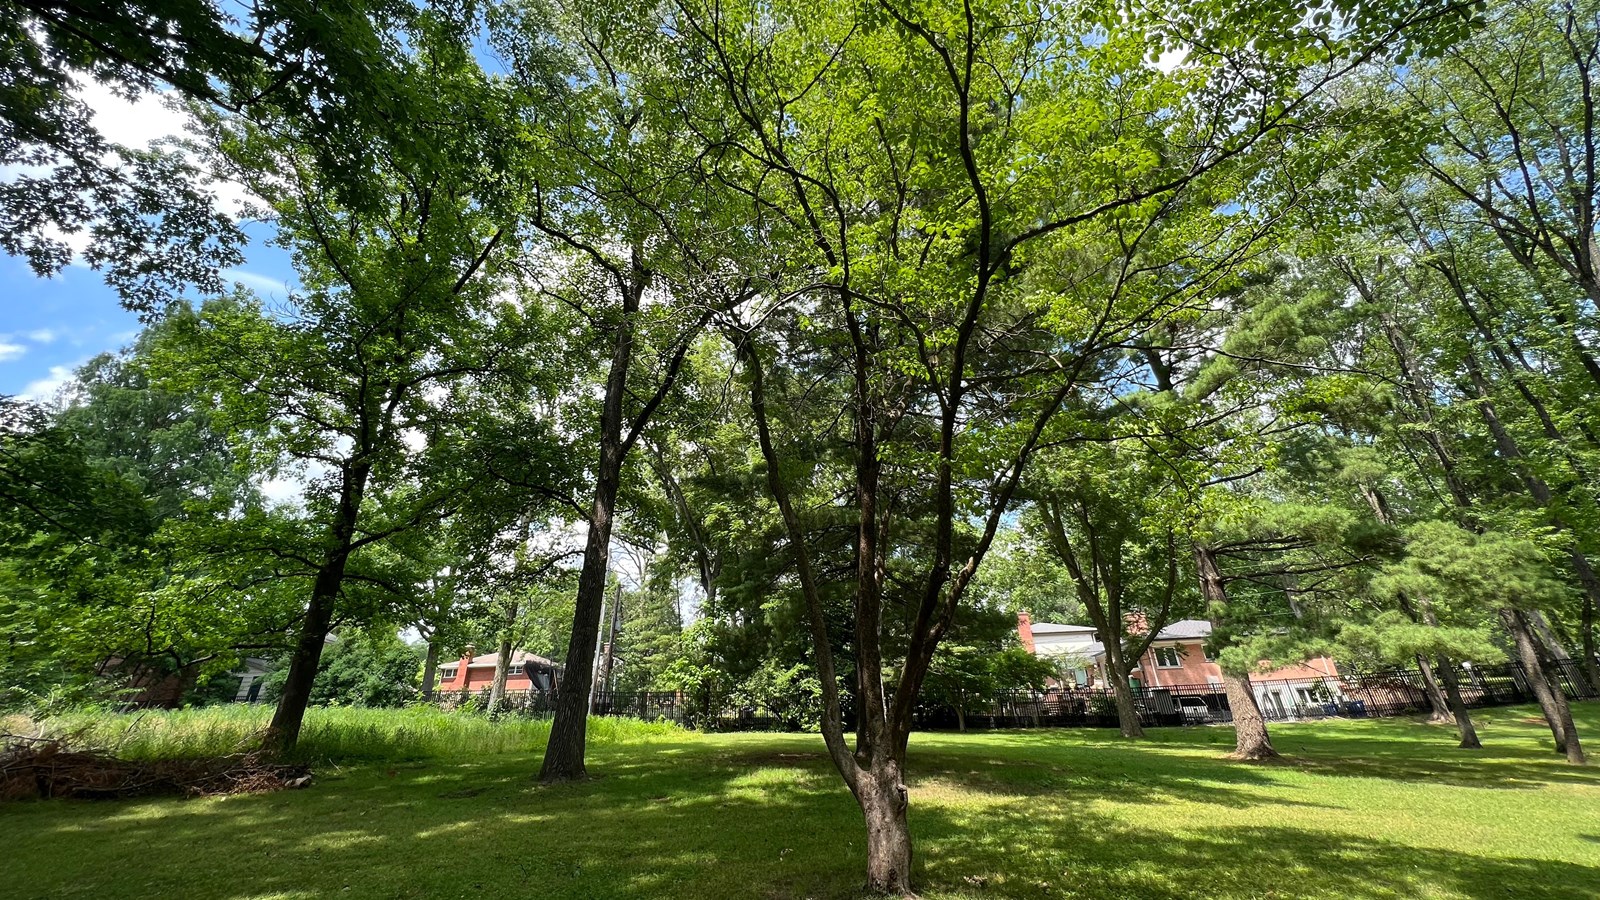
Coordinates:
column 1167, row 658
column 448, row 673
column 1210, row 655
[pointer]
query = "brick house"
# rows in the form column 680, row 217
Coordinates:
column 1178, row 657
column 471, row 674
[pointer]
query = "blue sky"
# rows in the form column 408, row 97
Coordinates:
column 50, row 326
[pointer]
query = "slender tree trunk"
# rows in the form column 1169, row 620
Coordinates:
column 284, row 731
column 502, row 670
column 884, row 801
column 1440, row 711
column 1552, row 700
column 430, row 668
column 961, row 717
column 563, row 756
column 1458, row 706
column 1552, row 646
column 1591, row 653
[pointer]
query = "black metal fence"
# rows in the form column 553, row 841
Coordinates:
column 1387, row 692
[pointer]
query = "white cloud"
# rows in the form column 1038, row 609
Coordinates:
column 135, row 123
column 261, row 284
column 47, row 388
column 43, row 335
column 10, row 351
column 282, row 490
column 1172, row 59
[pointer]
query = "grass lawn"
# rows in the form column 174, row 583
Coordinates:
column 1362, row 809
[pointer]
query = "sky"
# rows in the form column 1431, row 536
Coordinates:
column 50, row 326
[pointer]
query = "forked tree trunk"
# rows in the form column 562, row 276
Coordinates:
column 1458, row 706
column 1251, row 741
column 1440, row 711
column 885, row 802
column 430, row 669
column 1552, row 700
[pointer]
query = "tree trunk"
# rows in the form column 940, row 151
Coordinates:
column 1441, row 712
column 1591, row 661
column 1251, row 741
column 284, row 731
column 885, row 802
column 502, row 670
column 1552, row 700
column 1552, row 646
column 563, row 756
column 1458, row 706
column 1127, row 712
column 961, row 718
column 430, row 669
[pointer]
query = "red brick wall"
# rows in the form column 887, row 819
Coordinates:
column 1195, row 669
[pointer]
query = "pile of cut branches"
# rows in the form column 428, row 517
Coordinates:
column 44, row 767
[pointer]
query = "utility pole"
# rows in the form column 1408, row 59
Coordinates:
column 594, row 668
column 611, row 641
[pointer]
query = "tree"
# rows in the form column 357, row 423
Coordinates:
column 615, row 206
column 970, row 206
column 1097, row 510
column 401, row 336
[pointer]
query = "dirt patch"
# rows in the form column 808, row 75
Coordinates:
column 43, row 768
column 802, row 758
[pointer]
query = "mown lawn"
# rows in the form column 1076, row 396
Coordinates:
column 1370, row 809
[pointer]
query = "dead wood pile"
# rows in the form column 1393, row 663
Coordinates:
column 45, row 767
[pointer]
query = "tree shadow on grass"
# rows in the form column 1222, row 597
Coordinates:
column 770, row 819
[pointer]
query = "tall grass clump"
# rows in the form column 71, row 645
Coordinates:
column 330, row 733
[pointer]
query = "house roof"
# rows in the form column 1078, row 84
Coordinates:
column 1181, row 630
column 1185, row 628
column 518, row 657
column 1052, row 628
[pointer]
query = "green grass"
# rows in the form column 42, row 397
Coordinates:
column 341, row 734
column 1368, row 809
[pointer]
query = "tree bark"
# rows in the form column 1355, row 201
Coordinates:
column 1251, row 741
column 1552, row 700
column 1458, row 707
column 884, row 800
column 284, row 731
column 502, row 670
column 564, row 753
column 430, row 668
column 1127, row 711
column 1440, row 711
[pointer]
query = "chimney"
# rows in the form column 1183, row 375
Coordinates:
column 1025, row 630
